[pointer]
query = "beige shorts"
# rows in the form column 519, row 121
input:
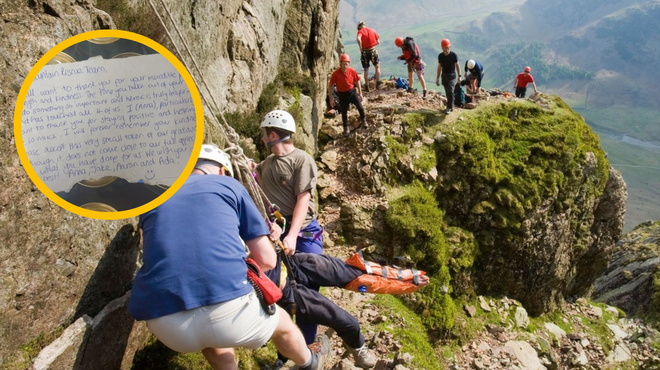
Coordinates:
column 240, row 322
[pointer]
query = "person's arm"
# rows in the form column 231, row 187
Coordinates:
column 359, row 87
column 297, row 219
column 262, row 252
column 534, row 84
column 330, row 97
column 458, row 71
column 377, row 40
column 515, row 83
column 437, row 75
column 358, row 38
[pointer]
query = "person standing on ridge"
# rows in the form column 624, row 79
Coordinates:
column 450, row 71
column 413, row 59
column 367, row 39
column 347, row 81
column 288, row 178
column 177, row 289
column 520, row 84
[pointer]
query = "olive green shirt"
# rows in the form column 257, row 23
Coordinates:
column 284, row 178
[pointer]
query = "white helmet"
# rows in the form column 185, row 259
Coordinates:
column 210, row 152
column 279, row 119
column 471, row 63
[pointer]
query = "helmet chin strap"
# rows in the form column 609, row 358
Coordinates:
column 271, row 143
column 206, row 172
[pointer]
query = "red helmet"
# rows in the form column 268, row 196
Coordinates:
column 398, row 41
column 528, row 69
column 445, row 43
column 345, row 58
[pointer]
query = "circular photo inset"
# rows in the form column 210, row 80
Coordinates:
column 98, row 131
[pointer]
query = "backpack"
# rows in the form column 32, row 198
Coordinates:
column 409, row 43
column 401, row 83
column 459, row 95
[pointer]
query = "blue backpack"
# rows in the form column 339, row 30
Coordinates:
column 401, row 83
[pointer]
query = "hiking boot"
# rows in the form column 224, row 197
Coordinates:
column 366, row 87
column 424, row 94
column 362, row 356
column 347, row 131
column 410, row 89
column 448, row 110
column 378, row 83
column 364, row 122
column 320, row 350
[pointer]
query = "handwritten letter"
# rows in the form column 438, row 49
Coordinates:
column 132, row 118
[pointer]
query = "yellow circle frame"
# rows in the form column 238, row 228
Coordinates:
column 18, row 113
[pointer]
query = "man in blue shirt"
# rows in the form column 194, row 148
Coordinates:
column 192, row 288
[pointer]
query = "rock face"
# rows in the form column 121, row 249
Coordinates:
column 545, row 223
column 57, row 267
column 628, row 282
column 241, row 46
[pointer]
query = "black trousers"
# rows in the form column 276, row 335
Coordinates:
column 520, row 92
column 315, row 270
column 345, row 99
column 448, row 82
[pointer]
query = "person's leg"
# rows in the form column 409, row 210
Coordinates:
column 375, row 60
column 448, row 82
column 355, row 99
column 289, row 341
column 420, row 75
column 316, row 308
column 312, row 242
column 344, row 101
column 221, row 358
column 364, row 60
column 323, row 270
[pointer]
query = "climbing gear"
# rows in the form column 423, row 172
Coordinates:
column 382, row 279
column 528, row 69
column 470, row 64
column 398, row 41
column 276, row 216
column 212, row 153
column 267, row 292
column 345, row 58
column 445, row 43
column 311, row 235
column 363, row 357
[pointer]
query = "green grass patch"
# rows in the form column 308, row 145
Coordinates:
column 513, row 156
column 408, row 328
column 417, row 225
column 22, row 358
column 156, row 356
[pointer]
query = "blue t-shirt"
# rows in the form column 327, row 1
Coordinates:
column 192, row 253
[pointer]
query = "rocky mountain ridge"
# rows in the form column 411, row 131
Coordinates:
column 65, row 278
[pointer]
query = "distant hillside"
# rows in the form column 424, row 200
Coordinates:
column 597, row 55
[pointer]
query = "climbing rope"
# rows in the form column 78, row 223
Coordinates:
column 240, row 161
